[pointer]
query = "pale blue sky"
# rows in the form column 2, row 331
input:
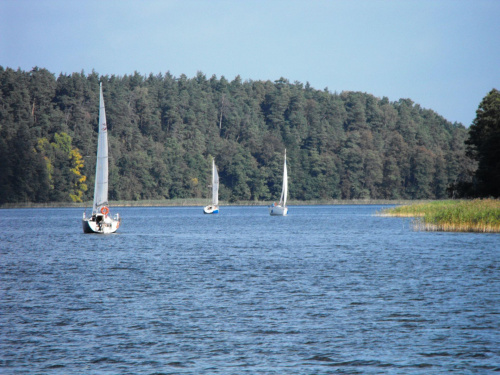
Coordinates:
column 442, row 54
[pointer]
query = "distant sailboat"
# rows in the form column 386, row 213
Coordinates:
column 101, row 221
column 281, row 209
column 213, row 208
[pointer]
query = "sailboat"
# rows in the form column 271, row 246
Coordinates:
column 101, row 221
column 281, row 209
column 213, row 208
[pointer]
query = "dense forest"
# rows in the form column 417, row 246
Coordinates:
column 164, row 130
column 483, row 146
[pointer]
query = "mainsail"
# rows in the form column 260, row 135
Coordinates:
column 281, row 209
column 284, row 189
column 101, row 172
column 215, row 185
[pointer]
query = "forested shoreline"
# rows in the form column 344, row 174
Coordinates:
column 164, row 130
column 197, row 202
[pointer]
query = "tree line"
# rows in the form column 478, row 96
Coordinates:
column 164, row 130
column 483, row 146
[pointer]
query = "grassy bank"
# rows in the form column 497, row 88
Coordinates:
column 203, row 202
column 453, row 216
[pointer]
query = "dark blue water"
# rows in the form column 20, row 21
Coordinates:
column 326, row 290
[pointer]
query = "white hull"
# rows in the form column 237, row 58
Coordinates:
column 100, row 225
column 211, row 209
column 278, row 210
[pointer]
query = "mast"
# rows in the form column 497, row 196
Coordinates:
column 285, row 183
column 284, row 189
column 101, row 171
column 215, row 184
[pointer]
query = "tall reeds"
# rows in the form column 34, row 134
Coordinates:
column 479, row 215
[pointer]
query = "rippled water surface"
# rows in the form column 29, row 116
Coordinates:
column 325, row 290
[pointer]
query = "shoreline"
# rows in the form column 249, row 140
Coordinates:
column 195, row 202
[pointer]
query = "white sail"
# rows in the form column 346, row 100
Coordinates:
column 284, row 189
column 281, row 209
column 101, row 172
column 215, row 185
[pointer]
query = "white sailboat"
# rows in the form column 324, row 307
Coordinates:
column 100, row 221
column 213, row 208
column 281, row 209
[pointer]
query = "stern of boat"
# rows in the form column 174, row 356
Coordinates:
column 211, row 209
column 101, row 224
column 278, row 210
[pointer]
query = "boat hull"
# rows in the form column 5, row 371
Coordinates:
column 211, row 209
column 104, row 227
column 278, row 211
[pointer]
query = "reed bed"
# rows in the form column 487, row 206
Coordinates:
column 479, row 215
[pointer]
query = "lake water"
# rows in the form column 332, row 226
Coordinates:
column 325, row 290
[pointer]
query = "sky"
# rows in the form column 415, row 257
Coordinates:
column 442, row 54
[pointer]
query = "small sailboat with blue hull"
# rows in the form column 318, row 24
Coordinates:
column 213, row 207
